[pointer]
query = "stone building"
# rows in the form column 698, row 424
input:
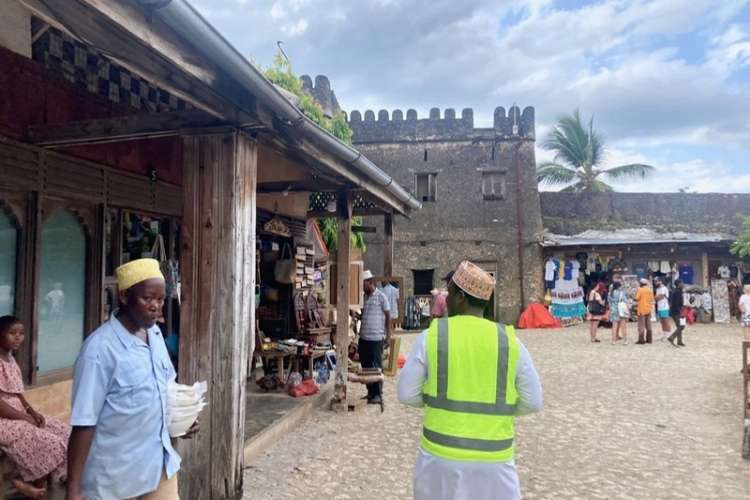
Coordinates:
column 479, row 195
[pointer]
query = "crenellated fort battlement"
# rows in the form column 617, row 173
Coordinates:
column 321, row 92
column 397, row 127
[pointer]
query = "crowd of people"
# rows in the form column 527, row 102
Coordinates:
column 609, row 305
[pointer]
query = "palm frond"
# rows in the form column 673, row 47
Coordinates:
column 631, row 170
column 598, row 186
column 554, row 174
column 570, row 141
column 596, row 146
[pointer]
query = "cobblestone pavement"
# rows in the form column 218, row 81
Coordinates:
column 620, row 422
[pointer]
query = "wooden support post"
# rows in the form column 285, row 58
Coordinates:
column 704, row 267
column 217, row 320
column 388, row 246
column 344, row 219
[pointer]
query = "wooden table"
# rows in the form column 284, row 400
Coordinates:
column 279, row 356
column 311, row 357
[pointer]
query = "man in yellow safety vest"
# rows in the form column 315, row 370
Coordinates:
column 473, row 377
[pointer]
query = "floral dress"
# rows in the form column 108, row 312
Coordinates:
column 36, row 452
column 615, row 298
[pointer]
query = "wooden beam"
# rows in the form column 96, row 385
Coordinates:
column 151, row 49
column 344, row 203
column 364, row 212
column 217, row 320
column 147, row 46
column 388, row 246
column 122, row 128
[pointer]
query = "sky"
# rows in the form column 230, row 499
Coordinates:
column 666, row 81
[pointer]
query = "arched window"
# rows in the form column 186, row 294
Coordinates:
column 62, row 291
column 8, row 247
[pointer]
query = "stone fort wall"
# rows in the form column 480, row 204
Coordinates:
column 572, row 213
column 500, row 234
column 400, row 127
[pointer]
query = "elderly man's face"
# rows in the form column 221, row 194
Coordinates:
column 368, row 286
column 145, row 301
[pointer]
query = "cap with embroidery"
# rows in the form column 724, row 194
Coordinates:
column 137, row 271
column 474, row 280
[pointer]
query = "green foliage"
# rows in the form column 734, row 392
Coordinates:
column 329, row 230
column 741, row 247
column 281, row 74
column 579, row 151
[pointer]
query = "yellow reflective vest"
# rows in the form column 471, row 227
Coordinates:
column 470, row 394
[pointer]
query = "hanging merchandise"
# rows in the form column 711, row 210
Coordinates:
column 169, row 268
column 686, row 274
column 285, row 269
column 549, row 273
column 567, row 300
column 720, row 300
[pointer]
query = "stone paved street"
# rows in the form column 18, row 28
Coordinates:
column 620, row 422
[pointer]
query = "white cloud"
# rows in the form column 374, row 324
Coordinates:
column 278, row 11
column 694, row 175
column 655, row 74
column 295, row 29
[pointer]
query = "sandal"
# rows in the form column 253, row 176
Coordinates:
column 595, row 341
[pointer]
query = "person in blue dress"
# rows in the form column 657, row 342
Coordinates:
column 619, row 321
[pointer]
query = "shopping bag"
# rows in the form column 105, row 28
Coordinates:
column 623, row 310
column 285, row 268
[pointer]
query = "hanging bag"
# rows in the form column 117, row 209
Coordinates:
column 285, row 268
column 169, row 268
column 595, row 307
column 623, row 310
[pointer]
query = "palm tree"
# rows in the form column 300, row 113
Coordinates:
column 578, row 153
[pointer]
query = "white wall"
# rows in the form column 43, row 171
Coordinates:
column 15, row 27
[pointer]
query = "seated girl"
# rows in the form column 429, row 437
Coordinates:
column 36, row 444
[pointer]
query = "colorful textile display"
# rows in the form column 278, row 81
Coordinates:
column 720, row 299
column 567, row 300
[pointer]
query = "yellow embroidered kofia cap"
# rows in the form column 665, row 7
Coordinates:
column 137, row 271
column 474, row 280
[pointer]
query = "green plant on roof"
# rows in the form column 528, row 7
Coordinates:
column 579, row 152
column 741, row 247
column 281, row 74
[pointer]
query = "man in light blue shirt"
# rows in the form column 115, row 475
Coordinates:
column 120, row 446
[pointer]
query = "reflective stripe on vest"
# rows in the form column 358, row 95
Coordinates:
column 469, row 430
column 500, row 407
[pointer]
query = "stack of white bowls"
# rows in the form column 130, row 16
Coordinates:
column 184, row 404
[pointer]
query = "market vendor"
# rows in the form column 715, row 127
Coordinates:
column 120, row 446
column 374, row 332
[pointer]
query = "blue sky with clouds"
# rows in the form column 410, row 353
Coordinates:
column 668, row 81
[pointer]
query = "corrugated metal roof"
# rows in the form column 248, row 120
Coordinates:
column 639, row 236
